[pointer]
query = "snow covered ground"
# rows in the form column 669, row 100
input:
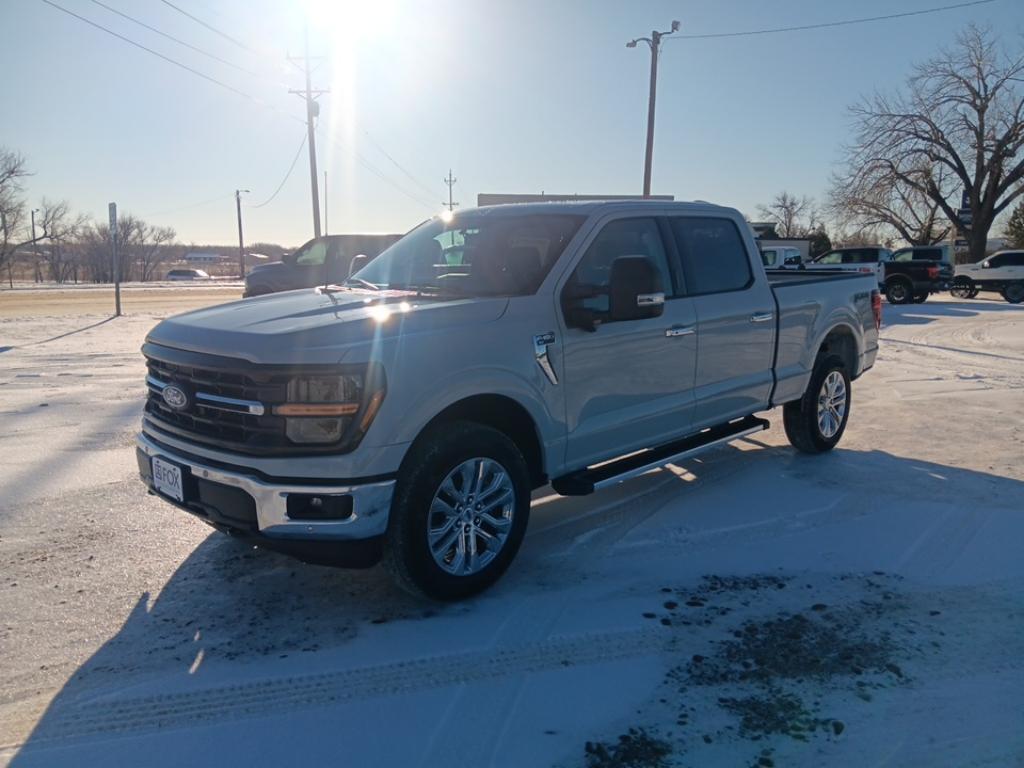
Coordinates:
column 753, row 607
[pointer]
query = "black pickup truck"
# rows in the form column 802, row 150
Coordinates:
column 908, row 275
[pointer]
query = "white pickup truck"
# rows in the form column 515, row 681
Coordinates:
column 408, row 412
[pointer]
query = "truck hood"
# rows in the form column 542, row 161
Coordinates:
column 311, row 326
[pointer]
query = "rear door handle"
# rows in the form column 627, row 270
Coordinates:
column 762, row 317
column 680, row 330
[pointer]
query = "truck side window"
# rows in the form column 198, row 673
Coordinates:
column 314, row 255
column 768, row 257
column 714, row 256
column 833, row 257
column 624, row 237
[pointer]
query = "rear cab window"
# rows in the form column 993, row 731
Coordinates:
column 714, row 256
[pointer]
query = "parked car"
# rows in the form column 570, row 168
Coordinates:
column 1003, row 272
column 780, row 257
column 904, row 280
column 407, row 413
column 188, row 274
column 318, row 262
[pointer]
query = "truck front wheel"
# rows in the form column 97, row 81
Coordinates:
column 460, row 511
column 1014, row 293
column 816, row 422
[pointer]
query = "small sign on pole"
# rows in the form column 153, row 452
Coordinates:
column 116, row 262
column 965, row 199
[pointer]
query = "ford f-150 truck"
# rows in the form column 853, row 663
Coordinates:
column 408, row 413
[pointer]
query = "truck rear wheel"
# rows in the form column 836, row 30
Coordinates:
column 920, row 298
column 459, row 513
column 816, row 422
column 963, row 288
column 899, row 291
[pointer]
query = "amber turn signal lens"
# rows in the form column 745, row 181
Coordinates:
column 316, row 409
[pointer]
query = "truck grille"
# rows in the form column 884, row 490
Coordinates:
column 225, row 408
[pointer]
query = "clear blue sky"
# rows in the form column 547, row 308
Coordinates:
column 514, row 96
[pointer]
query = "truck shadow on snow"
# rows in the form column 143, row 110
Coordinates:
column 228, row 605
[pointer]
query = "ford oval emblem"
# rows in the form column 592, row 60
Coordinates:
column 175, row 397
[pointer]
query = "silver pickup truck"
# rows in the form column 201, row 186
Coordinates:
column 408, row 413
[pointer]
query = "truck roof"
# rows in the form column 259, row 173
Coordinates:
column 588, row 207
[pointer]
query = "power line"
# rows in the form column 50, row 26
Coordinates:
column 169, row 60
column 291, row 168
column 210, row 27
column 833, row 23
column 143, row 24
column 397, row 165
column 189, row 206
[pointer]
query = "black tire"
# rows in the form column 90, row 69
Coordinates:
column 1014, row 293
column 920, row 298
column 974, row 293
column 435, row 454
column 800, row 417
column 899, row 291
column 963, row 288
column 258, row 290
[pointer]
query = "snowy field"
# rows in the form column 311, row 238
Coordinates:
column 753, row 607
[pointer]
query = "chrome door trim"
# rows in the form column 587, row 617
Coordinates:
column 762, row 317
column 650, row 299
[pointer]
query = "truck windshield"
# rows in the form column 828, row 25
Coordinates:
column 474, row 255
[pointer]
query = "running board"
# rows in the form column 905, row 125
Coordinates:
column 603, row 475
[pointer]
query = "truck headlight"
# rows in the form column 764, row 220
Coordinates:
column 321, row 408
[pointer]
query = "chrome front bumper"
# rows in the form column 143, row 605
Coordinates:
column 371, row 502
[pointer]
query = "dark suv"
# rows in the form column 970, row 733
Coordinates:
column 322, row 260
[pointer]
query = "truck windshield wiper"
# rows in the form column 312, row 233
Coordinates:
column 364, row 283
column 422, row 289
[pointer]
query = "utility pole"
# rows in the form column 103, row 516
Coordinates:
column 116, row 265
column 450, row 181
column 654, row 43
column 325, row 203
column 10, row 257
column 312, row 112
column 35, row 246
column 241, row 243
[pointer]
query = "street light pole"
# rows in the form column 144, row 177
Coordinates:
column 241, row 246
column 654, row 43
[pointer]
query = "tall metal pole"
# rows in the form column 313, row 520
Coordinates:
column 241, row 242
column 35, row 247
column 312, row 109
column 450, row 181
column 654, row 42
column 325, row 203
column 10, row 257
column 112, row 211
column 649, row 153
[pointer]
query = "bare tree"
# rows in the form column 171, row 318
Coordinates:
column 792, row 216
column 151, row 248
column 870, row 197
column 60, row 228
column 12, row 206
column 963, row 112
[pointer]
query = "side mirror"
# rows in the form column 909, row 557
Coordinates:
column 357, row 263
column 635, row 290
column 985, row 265
column 793, row 261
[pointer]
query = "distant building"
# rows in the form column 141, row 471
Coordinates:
column 202, row 257
column 495, row 198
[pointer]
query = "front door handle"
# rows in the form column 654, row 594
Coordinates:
column 680, row 330
column 762, row 317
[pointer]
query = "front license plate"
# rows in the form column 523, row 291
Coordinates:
column 167, row 479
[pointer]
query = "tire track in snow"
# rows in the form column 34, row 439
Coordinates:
column 258, row 699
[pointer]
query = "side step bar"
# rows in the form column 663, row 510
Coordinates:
column 592, row 479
